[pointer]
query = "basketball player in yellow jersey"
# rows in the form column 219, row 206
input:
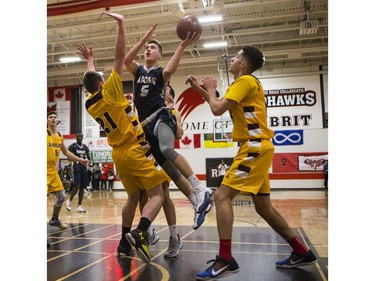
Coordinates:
column 55, row 143
column 131, row 154
column 249, row 172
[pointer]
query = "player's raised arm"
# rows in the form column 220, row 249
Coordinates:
column 120, row 42
column 88, row 55
column 130, row 63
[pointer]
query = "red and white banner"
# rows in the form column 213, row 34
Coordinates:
column 188, row 141
column 311, row 163
column 284, row 163
column 59, row 101
column 97, row 143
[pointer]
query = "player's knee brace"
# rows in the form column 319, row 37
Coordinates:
column 169, row 153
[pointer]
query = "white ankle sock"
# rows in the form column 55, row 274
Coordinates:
column 193, row 199
column 194, row 181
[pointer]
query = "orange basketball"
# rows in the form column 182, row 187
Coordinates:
column 186, row 24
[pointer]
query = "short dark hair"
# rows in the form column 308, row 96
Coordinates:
column 91, row 81
column 254, row 57
column 51, row 112
column 171, row 91
column 154, row 41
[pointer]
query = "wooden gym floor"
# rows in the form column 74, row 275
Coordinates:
column 86, row 250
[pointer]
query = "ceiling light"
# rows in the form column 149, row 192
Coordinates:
column 69, row 59
column 215, row 44
column 210, row 18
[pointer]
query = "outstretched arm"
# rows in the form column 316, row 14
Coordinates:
column 70, row 155
column 172, row 65
column 120, row 42
column 130, row 63
column 88, row 54
column 218, row 107
column 192, row 80
column 88, row 153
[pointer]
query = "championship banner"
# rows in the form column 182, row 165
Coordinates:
column 59, row 100
column 288, row 137
column 209, row 143
column 188, row 141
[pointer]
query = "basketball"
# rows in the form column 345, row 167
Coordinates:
column 186, row 24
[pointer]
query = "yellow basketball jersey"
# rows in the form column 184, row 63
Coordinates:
column 249, row 114
column 112, row 111
column 54, row 144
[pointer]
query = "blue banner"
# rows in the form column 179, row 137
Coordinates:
column 288, row 137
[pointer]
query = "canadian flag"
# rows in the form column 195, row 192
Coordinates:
column 59, row 94
column 188, row 141
column 57, row 97
column 59, row 100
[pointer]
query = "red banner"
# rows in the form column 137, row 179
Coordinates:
column 284, row 163
column 59, row 100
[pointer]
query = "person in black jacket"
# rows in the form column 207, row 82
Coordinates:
column 111, row 178
column 95, row 177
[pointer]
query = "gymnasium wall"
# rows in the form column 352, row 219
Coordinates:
column 297, row 112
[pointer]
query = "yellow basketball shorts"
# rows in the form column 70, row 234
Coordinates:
column 249, row 170
column 54, row 183
column 137, row 167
